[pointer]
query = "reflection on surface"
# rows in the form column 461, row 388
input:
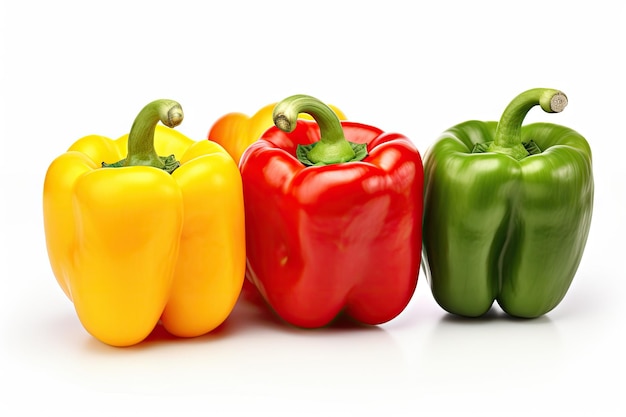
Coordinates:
column 252, row 351
column 461, row 351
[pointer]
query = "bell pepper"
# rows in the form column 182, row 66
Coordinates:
column 236, row 131
column 140, row 239
column 332, row 226
column 507, row 211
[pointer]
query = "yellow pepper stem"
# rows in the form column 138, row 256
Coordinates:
column 141, row 150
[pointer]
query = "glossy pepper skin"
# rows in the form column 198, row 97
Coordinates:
column 343, row 235
column 510, row 221
column 236, row 131
column 131, row 244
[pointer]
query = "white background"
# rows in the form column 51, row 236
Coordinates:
column 69, row 69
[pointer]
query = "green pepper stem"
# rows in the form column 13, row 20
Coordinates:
column 141, row 137
column 332, row 148
column 508, row 137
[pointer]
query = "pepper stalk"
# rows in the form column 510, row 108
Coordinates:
column 508, row 136
column 141, row 150
column 332, row 148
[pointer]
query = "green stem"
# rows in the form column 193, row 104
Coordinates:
column 141, row 150
column 141, row 137
column 332, row 148
column 508, row 137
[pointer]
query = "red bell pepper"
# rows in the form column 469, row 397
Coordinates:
column 332, row 226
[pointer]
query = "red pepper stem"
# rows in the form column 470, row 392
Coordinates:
column 508, row 137
column 141, row 137
column 332, row 148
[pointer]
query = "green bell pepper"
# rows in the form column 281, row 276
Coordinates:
column 507, row 211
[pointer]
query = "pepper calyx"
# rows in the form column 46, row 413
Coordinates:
column 170, row 163
column 303, row 151
column 530, row 147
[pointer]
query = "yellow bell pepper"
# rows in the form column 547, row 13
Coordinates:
column 236, row 131
column 147, row 238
